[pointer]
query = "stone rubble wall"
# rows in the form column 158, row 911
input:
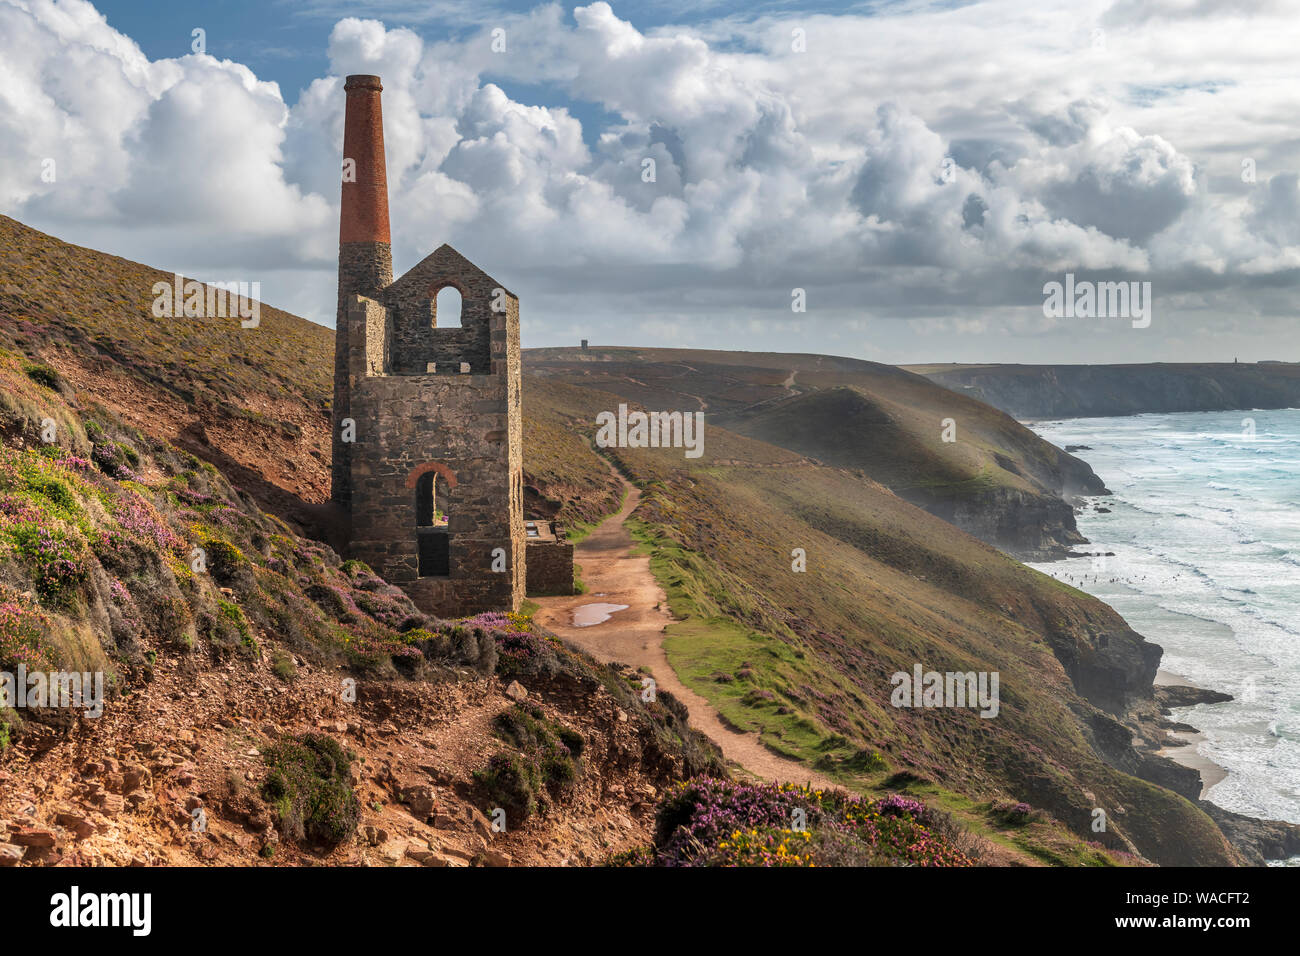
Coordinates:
column 550, row 568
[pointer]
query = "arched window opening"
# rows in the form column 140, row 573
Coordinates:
column 447, row 308
column 430, row 509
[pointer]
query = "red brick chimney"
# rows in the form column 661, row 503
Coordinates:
column 365, row 201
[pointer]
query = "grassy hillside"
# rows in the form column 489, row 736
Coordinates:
column 566, row 479
column 118, row 544
column 218, row 626
column 958, row 458
column 805, row 658
column 253, row 401
column 59, row 294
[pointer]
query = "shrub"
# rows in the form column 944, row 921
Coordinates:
column 386, row 608
column 228, row 565
column 130, row 454
column 11, row 727
column 1014, row 814
column 44, row 375
column 124, row 618
column 546, row 766
column 526, row 727
column 57, row 560
column 112, row 461
column 572, row 740
column 512, row 782
column 57, row 492
column 138, row 518
column 23, row 630
column 234, row 615
column 711, row 822
column 521, row 654
column 455, row 644
column 335, row 602
column 296, row 621
column 282, row 666
column 861, row 761
column 309, row 787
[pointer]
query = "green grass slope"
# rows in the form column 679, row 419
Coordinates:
column 57, row 295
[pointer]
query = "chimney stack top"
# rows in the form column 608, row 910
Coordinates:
column 363, row 81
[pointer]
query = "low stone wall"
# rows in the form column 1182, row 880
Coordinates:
column 549, row 568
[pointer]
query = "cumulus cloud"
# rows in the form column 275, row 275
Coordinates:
column 182, row 149
column 1127, row 185
column 929, row 165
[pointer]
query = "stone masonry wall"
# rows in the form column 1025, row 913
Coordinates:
column 365, row 268
column 412, row 300
column 550, row 568
column 507, row 361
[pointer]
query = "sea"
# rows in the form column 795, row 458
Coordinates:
column 1204, row 526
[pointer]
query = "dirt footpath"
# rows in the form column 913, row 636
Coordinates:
column 614, row 575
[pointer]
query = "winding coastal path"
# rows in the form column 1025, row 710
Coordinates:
column 614, row 575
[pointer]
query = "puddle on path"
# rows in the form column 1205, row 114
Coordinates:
column 589, row 614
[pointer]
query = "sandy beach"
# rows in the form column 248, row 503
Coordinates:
column 1188, row 754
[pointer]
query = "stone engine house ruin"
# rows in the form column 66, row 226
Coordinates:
column 427, row 419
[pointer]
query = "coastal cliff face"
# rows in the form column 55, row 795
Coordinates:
column 995, row 480
column 1088, row 391
column 1030, row 526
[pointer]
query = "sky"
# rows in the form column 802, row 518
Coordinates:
column 898, row 182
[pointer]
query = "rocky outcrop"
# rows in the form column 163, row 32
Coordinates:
column 1110, row 664
column 1169, row 696
column 1113, row 742
column 175, row 775
column 1258, row 841
column 991, row 476
column 1031, row 527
